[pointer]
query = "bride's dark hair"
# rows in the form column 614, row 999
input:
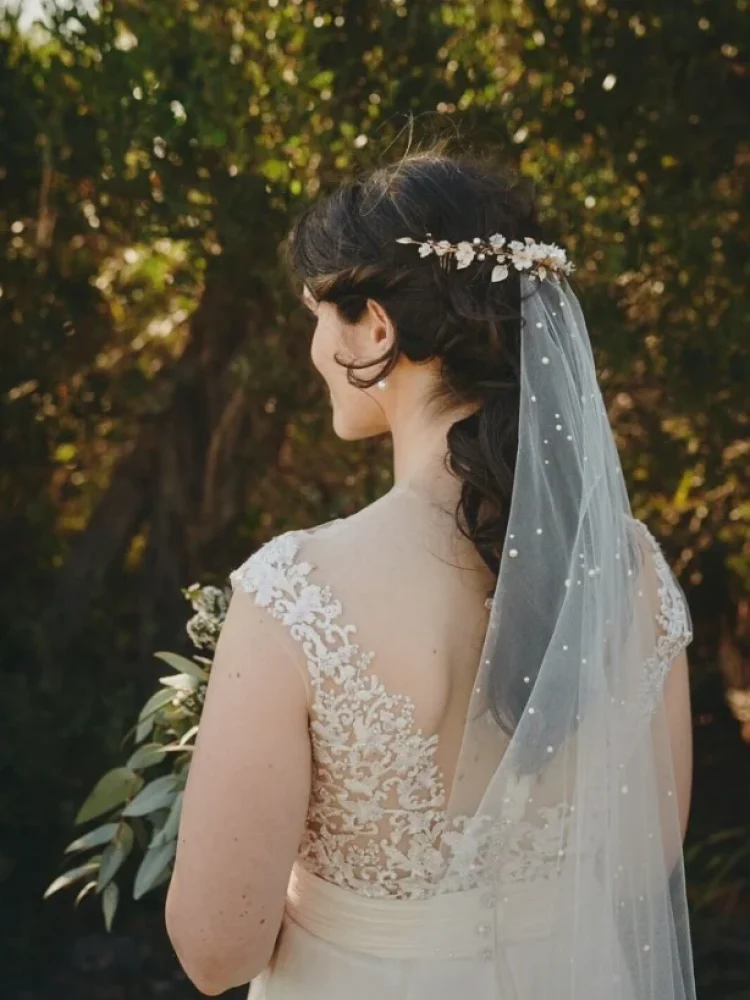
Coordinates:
column 344, row 248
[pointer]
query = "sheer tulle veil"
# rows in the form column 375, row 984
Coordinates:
column 572, row 787
column 554, row 870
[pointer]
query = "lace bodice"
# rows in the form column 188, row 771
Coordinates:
column 673, row 622
column 377, row 820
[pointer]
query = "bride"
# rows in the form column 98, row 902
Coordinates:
column 445, row 751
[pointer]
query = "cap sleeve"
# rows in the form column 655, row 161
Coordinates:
column 272, row 575
column 276, row 580
column 673, row 628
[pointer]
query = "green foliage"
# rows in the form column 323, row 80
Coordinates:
column 115, row 787
column 72, row 876
column 122, row 794
column 158, row 417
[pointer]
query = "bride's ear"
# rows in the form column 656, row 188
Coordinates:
column 381, row 330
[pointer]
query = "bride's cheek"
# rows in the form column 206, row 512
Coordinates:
column 316, row 350
column 326, row 346
column 356, row 414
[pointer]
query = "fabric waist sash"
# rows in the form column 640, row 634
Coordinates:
column 455, row 925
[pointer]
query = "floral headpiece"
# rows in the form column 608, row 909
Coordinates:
column 538, row 260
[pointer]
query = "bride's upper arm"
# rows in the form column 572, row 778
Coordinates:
column 677, row 713
column 245, row 803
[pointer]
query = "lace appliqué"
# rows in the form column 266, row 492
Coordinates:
column 673, row 622
column 377, row 822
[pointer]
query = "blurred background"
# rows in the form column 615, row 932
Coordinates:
column 159, row 418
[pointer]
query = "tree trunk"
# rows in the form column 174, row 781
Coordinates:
column 180, row 484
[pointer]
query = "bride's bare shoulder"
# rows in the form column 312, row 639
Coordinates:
column 376, row 527
column 344, row 541
column 388, row 544
column 393, row 543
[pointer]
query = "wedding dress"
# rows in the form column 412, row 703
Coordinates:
column 446, row 856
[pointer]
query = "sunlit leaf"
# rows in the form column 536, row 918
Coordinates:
column 70, row 877
column 183, row 665
column 65, row 453
column 89, row 887
column 180, row 682
column 186, row 737
column 94, row 838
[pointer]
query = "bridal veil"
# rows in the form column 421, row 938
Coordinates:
column 571, row 794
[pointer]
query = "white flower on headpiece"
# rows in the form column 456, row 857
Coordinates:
column 425, row 249
column 499, row 272
column 442, row 247
column 497, row 241
column 464, row 254
column 556, row 254
column 523, row 255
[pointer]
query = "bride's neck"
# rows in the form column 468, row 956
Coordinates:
column 420, row 450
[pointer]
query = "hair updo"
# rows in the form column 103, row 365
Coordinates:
column 345, row 250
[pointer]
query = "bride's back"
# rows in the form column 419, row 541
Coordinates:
column 415, row 590
column 386, row 610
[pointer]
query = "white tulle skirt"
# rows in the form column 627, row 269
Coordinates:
column 476, row 945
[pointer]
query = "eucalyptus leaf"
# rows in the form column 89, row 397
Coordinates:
column 155, row 702
column 144, row 729
column 153, row 868
column 112, row 859
column 169, row 830
column 147, row 714
column 157, row 820
column 186, row 737
column 85, row 891
column 114, row 788
column 114, row 856
column 182, row 665
column 164, row 877
column 110, row 899
column 185, row 751
column 173, row 821
column 140, row 833
column 181, row 682
column 94, row 838
column 146, row 756
column 158, row 794
column 70, row 877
